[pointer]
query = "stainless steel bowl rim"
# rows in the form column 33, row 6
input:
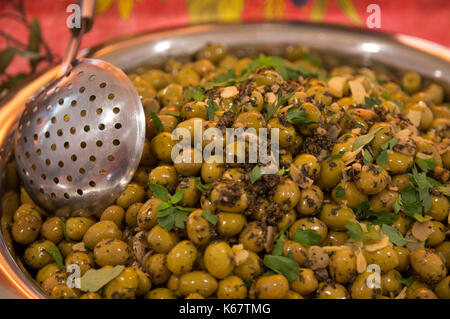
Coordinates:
column 397, row 50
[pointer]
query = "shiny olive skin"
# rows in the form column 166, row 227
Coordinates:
column 352, row 195
column 115, row 214
column 219, row 195
column 428, row 265
column 36, row 256
column 26, row 229
column 332, row 291
column 444, row 249
column 218, row 259
column 343, row 265
column 231, row 287
column 298, row 251
column 147, row 216
column 360, row 290
column 252, row 237
column 156, row 267
column 82, row 259
column 160, row 293
column 46, row 272
column 386, row 258
column 310, row 200
column 76, row 227
column 251, row 268
column 131, row 214
column 271, row 287
column 111, row 252
column 197, row 282
column 390, row 283
column 133, row 193
column 181, row 258
column 330, row 173
column 101, row 230
column 160, row 240
column 287, row 194
column 442, row 289
column 336, row 217
column 52, row 229
column 230, row 224
column 305, row 283
column 165, row 176
column 198, row 228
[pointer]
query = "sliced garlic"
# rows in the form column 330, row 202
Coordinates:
column 358, row 91
column 79, row 247
column 402, row 294
column 384, row 242
column 240, row 254
column 422, row 231
column 415, row 117
column 229, row 91
column 361, row 263
column 337, row 84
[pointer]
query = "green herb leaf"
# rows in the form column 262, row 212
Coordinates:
column 382, row 159
column 201, row 187
column 194, row 93
column 340, row 191
column 66, row 236
column 282, row 265
column 371, row 102
column 94, row 279
column 278, row 249
column 34, row 40
column 367, row 157
column 210, row 217
column 56, row 255
column 255, row 174
column 405, row 281
column 270, row 110
column 283, row 171
column 248, row 283
column 157, row 121
column 307, row 237
column 6, row 56
column 356, row 232
column 363, row 140
column 389, row 144
column 331, row 157
column 177, row 197
column 180, row 219
column 383, row 217
column 225, row 77
column 167, row 222
column 298, row 116
column 394, row 235
column 397, row 206
column 159, row 192
column 425, row 164
column 283, row 99
column 211, row 108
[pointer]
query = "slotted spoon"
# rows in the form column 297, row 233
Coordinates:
column 80, row 139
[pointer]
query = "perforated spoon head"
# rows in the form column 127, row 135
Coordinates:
column 79, row 142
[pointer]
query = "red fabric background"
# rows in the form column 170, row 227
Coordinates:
column 429, row 19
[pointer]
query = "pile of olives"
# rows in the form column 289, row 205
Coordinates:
column 353, row 144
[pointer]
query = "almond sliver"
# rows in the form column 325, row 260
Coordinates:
column 384, row 242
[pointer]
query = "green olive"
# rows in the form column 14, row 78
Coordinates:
column 180, row 258
column 218, row 258
column 111, row 252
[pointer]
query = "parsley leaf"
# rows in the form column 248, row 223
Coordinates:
column 367, row 157
column 389, row 144
column 356, row 232
column 255, row 174
column 56, row 255
column 211, row 108
column 425, row 164
column 159, row 192
column 66, row 235
column 394, row 235
column 282, row 265
column 363, row 140
column 298, row 116
column 210, row 217
column 225, row 77
column 340, row 192
column 201, row 187
column 382, row 159
column 194, row 93
column 405, row 281
column 157, row 121
column 283, row 170
column 371, row 102
column 278, row 249
column 307, row 237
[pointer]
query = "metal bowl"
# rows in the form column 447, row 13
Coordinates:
column 397, row 52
